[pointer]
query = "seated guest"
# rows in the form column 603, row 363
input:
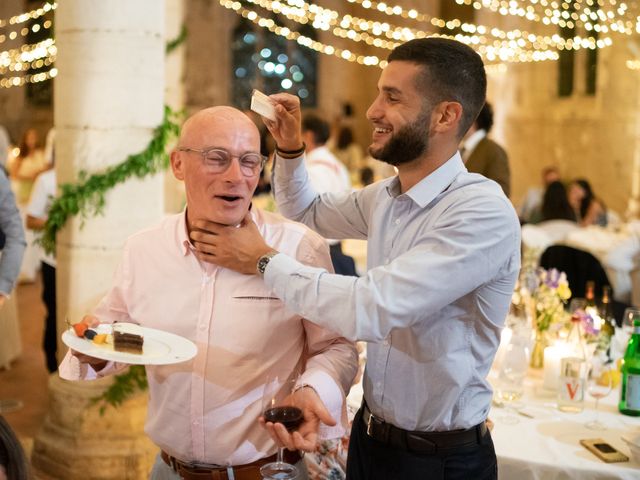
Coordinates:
column 558, row 219
column 589, row 210
column 206, row 411
column 529, row 211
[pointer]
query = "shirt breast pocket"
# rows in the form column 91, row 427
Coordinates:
column 255, row 294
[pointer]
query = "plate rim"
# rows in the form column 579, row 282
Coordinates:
column 135, row 359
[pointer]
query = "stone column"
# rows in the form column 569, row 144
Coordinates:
column 174, row 94
column 109, row 97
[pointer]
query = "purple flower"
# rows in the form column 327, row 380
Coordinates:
column 552, row 279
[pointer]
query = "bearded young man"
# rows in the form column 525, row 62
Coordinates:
column 443, row 257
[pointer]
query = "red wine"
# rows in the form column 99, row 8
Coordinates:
column 290, row 417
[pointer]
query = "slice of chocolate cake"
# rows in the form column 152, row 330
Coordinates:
column 125, row 340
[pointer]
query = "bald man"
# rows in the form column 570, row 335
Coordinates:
column 204, row 414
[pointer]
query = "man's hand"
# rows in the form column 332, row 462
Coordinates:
column 237, row 248
column 306, row 437
column 287, row 129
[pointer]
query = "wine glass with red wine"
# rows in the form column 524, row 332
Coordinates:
column 278, row 406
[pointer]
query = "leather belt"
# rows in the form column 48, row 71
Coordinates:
column 421, row 442
column 200, row 471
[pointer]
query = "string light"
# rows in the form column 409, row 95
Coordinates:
column 36, row 27
column 32, row 15
column 357, row 29
column 9, row 82
column 510, row 53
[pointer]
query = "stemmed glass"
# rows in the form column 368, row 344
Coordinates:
column 599, row 385
column 279, row 406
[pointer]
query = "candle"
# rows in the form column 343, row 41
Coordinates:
column 552, row 358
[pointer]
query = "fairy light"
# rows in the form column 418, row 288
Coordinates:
column 32, row 15
column 499, row 53
column 36, row 27
column 10, row 82
column 364, row 30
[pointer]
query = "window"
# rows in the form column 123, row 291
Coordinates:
column 272, row 64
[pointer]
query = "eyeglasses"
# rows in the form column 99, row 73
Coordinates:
column 217, row 160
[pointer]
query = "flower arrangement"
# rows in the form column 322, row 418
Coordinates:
column 550, row 298
column 543, row 293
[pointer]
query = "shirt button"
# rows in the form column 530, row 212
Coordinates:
column 203, row 326
column 385, row 342
column 397, row 221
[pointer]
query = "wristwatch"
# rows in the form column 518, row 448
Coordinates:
column 263, row 261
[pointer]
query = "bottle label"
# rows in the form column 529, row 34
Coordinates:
column 633, row 392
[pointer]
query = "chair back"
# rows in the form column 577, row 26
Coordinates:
column 579, row 266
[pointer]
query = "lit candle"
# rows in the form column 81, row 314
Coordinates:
column 552, row 358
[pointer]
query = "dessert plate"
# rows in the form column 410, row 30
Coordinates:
column 159, row 348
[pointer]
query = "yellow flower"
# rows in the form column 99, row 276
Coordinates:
column 563, row 291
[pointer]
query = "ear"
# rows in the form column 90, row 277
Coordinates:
column 446, row 117
column 177, row 165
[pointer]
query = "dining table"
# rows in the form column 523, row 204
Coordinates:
column 536, row 441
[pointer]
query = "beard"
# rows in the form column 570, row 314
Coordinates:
column 408, row 144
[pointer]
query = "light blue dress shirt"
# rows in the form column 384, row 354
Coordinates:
column 442, row 262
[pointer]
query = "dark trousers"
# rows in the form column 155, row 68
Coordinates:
column 342, row 264
column 49, row 342
column 372, row 460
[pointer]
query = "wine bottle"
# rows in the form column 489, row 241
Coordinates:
column 607, row 327
column 590, row 294
column 630, row 394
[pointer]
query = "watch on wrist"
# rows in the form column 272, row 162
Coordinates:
column 263, row 261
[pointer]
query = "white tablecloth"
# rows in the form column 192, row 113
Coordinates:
column 547, row 446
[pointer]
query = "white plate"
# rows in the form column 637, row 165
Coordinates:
column 159, row 348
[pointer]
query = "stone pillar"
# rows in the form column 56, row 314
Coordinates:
column 109, row 97
column 174, row 94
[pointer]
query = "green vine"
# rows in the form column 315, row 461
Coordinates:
column 87, row 198
column 175, row 43
column 123, row 387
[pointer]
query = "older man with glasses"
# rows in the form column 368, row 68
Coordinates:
column 203, row 415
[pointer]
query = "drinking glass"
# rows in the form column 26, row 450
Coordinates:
column 513, row 370
column 599, row 385
column 279, row 406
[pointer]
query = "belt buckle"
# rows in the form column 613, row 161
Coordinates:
column 377, row 429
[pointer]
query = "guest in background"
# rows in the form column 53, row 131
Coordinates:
column 29, row 163
column 13, row 462
column 5, row 143
column 348, row 151
column 366, row 176
column 558, row 218
column 44, row 190
column 589, row 209
column 484, row 156
column 326, row 174
column 10, row 261
column 555, row 204
column 530, row 210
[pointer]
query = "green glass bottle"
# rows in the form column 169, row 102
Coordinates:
column 630, row 394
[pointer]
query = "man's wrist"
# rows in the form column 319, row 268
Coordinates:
column 291, row 152
column 263, row 261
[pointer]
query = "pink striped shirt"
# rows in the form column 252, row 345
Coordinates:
column 207, row 409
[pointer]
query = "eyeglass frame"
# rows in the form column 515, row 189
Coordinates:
column 203, row 155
